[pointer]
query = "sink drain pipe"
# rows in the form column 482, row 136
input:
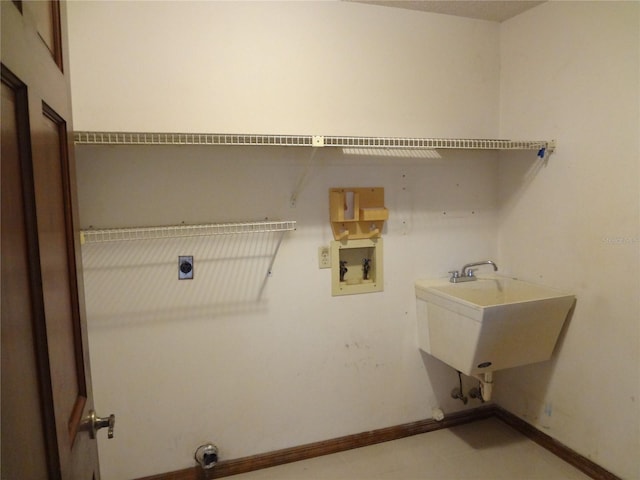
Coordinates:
column 207, row 456
column 486, row 385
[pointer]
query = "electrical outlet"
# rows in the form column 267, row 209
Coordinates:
column 185, row 267
column 324, row 257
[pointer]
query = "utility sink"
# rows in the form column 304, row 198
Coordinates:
column 489, row 324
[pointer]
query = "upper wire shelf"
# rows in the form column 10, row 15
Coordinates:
column 133, row 138
column 435, row 143
column 139, row 138
column 175, row 231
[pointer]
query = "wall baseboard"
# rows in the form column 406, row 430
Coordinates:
column 303, row 452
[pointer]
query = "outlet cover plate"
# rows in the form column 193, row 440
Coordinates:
column 324, row 257
column 185, row 267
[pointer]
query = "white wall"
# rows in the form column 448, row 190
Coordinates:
column 181, row 363
column 184, row 362
column 319, row 67
column 571, row 71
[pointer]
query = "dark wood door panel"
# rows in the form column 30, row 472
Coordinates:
column 22, row 401
column 60, row 285
column 46, row 16
column 47, row 376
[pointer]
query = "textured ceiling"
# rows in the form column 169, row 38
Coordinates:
column 496, row 11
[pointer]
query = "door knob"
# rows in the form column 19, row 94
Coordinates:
column 93, row 423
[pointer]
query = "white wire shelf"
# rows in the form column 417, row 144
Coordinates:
column 175, row 231
column 435, row 143
column 133, row 138
column 138, row 138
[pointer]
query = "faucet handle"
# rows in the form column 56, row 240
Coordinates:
column 470, row 272
column 454, row 273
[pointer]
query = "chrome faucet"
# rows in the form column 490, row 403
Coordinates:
column 466, row 274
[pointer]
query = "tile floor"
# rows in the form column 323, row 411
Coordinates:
column 486, row 449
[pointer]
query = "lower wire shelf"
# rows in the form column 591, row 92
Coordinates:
column 176, row 231
column 280, row 228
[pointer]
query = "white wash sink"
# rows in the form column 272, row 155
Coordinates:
column 489, row 324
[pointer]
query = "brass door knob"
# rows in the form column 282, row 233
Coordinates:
column 93, row 423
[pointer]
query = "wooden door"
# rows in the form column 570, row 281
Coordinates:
column 46, row 384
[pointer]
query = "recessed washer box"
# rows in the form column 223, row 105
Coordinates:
column 356, row 266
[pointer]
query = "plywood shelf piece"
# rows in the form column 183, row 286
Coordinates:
column 343, row 235
column 374, row 213
column 374, row 233
column 357, row 213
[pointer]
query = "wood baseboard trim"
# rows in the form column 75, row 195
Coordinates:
column 560, row 450
column 226, row 468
